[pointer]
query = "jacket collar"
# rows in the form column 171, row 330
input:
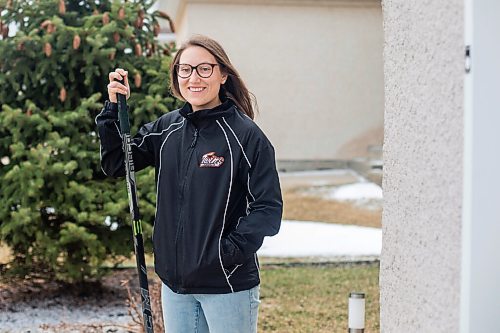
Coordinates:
column 202, row 117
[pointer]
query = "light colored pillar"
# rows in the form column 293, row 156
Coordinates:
column 423, row 166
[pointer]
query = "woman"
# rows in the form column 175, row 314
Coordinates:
column 218, row 193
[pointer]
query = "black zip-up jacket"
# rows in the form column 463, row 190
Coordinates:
column 218, row 193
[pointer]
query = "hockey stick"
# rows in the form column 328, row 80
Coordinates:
column 134, row 212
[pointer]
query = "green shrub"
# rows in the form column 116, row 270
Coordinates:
column 59, row 214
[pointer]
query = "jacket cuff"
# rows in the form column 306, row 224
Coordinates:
column 108, row 112
column 110, row 106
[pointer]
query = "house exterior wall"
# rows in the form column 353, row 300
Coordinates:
column 423, row 166
column 314, row 66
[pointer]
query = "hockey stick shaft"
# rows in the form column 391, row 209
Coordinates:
column 134, row 212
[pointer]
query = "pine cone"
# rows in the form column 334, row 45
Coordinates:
column 62, row 7
column 121, row 13
column 139, row 23
column 138, row 79
column 5, row 31
column 141, row 14
column 116, row 37
column 47, row 24
column 105, row 18
column 76, row 42
column 150, row 49
column 156, row 29
column 47, row 48
column 62, row 94
column 29, row 113
column 51, row 28
column 138, row 50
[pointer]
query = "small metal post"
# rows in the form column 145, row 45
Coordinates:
column 356, row 312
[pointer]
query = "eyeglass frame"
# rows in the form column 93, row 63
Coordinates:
column 195, row 68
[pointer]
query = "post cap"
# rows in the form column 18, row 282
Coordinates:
column 356, row 295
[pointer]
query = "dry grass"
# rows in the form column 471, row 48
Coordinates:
column 306, row 298
column 135, row 309
column 298, row 206
column 314, row 299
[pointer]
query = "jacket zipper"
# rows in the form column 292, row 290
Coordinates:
column 180, row 222
column 195, row 138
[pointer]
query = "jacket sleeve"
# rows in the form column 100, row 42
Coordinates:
column 112, row 156
column 264, row 211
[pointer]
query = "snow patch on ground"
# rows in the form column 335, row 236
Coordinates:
column 363, row 194
column 358, row 191
column 315, row 239
column 316, row 173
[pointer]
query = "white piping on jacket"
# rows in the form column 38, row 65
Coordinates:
column 118, row 129
column 234, row 270
column 248, row 212
column 237, row 224
column 248, row 185
column 100, row 146
column 159, row 175
column 154, row 133
column 242, row 150
column 225, row 209
column 249, row 191
column 256, row 264
column 100, row 159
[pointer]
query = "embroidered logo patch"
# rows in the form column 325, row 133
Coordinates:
column 210, row 160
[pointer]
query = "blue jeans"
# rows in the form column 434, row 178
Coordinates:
column 215, row 313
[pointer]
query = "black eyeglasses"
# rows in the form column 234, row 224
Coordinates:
column 204, row 70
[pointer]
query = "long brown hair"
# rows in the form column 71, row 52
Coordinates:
column 234, row 87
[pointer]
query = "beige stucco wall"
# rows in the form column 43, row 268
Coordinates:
column 315, row 67
column 423, row 166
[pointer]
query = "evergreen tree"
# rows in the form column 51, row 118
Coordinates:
column 59, row 214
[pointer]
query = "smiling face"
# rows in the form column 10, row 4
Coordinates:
column 201, row 93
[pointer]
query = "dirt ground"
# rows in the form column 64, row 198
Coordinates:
column 302, row 201
column 302, row 207
column 55, row 307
